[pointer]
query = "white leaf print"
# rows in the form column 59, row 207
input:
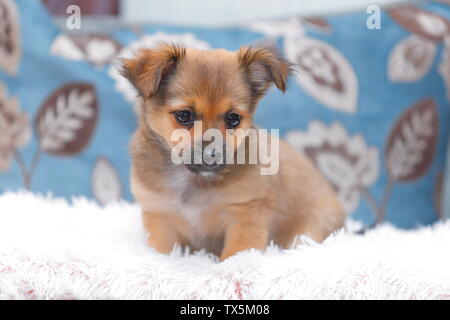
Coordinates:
column 336, row 169
column 96, row 49
column 346, row 161
column 323, row 72
column 15, row 129
column 106, row 185
column 433, row 25
column 411, row 59
column 64, row 46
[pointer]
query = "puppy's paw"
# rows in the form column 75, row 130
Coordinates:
column 223, row 257
column 227, row 254
column 160, row 245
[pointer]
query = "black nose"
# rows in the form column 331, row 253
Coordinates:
column 212, row 160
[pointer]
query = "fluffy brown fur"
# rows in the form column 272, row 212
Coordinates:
column 237, row 208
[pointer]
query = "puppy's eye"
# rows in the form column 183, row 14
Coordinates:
column 232, row 120
column 184, row 117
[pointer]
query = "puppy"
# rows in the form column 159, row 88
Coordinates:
column 221, row 207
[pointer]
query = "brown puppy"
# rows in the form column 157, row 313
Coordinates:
column 222, row 208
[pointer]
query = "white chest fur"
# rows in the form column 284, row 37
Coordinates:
column 188, row 201
column 183, row 199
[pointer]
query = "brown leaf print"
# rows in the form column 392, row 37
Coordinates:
column 10, row 50
column 411, row 59
column 66, row 121
column 318, row 23
column 324, row 73
column 421, row 22
column 412, row 141
column 97, row 49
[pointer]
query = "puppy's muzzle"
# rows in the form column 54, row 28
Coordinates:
column 212, row 161
column 198, row 168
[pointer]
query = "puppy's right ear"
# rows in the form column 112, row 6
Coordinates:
column 263, row 67
column 150, row 67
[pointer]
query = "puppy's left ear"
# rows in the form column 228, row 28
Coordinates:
column 263, row 68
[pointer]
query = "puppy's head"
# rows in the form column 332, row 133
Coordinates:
column 197, row 90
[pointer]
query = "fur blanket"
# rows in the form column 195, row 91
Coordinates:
column 50, row 249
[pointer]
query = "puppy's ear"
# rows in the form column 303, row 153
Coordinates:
column 150, row 67
column 263, row 67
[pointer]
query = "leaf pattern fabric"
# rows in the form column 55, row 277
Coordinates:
column 346, row 161
column 97, row 49
column 411, row 145
column 10, row 49
column 106, row 185
column 369, row 107
column 67, row 119
column 411, row 59
column 324, row 73
column 14, row 127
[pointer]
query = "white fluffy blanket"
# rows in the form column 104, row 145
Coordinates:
column 52, row 250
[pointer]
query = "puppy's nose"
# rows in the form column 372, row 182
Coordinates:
column 212, row 160
column 211, row 157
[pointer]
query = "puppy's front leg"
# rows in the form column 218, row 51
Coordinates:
column 163, row 235
column 245, row 231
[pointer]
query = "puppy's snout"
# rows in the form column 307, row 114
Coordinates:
column 207, row 159
column 198, row 168
column 211, row 157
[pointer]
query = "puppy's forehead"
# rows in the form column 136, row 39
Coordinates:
column 210, row 76
column 212, row 59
